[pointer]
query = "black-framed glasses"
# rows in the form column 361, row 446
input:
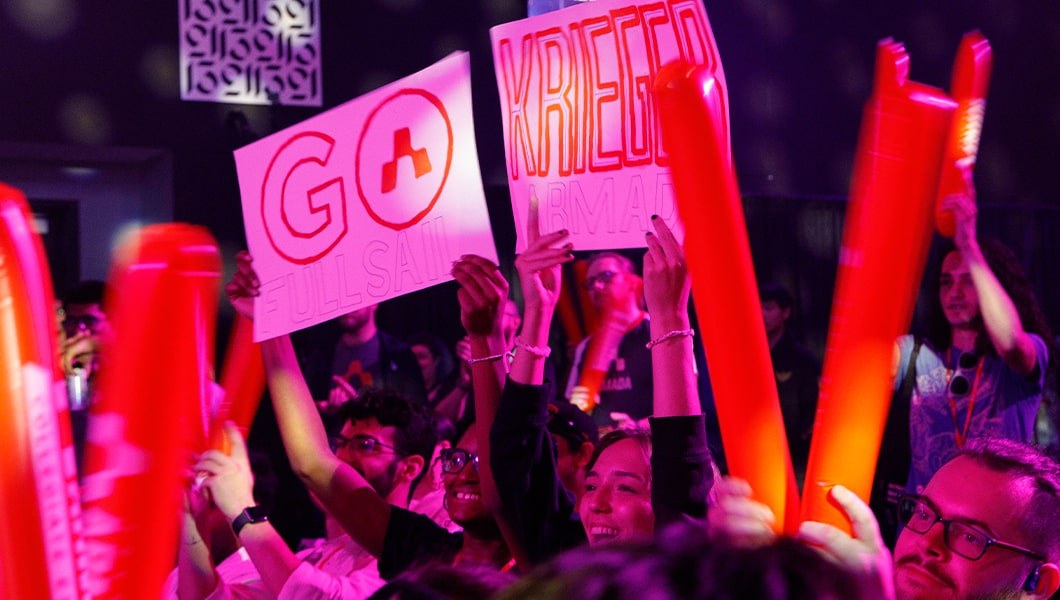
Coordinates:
column 362, row 444
column 603, row 277
column 959, row 383
column 970, row 542
column 455, row 459
column 81, row 323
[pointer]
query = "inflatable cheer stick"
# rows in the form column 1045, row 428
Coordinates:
column 971, row 77
column 243, row 380
column 40, row 537
column 162, row 301
column 723, row 281
column 885, row 242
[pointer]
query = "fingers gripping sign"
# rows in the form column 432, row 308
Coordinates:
column 482, row 289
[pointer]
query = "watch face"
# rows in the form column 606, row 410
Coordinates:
column 257, row 514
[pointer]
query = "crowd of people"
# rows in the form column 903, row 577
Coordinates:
column 476, row 472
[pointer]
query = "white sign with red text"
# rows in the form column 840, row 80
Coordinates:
column 580, row 125
column 370, row 200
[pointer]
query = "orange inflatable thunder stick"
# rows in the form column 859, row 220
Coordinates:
column 723, row 281
column 40, row 528
column 971, row 77
column 164, row 286
column 881, row 262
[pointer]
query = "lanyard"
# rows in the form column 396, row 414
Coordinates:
column 960, row 434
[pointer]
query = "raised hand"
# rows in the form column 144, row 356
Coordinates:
column 482, row 291
column 244, row 286
column 965, row 211
column 737, row 517
column 666, row 281
column 228, row 478
column 540, row 266
column 864, row 553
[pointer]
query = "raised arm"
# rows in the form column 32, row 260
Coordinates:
column 682, row 469
column 666, row 290
column 541, row 276
column 345, row 493
column 1000, row 317
column 230, row 484
column 482, row 291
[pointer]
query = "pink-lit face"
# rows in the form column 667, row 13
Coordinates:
column 463, row 492
column 993, row 502
column 960, row 302
column 609, row 283
column 617, row 500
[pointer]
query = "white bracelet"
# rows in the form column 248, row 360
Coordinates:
column 535, row 350
column 492, row 358
column 669, row 336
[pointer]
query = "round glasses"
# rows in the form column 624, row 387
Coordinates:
column 963, row 539
column 455, row 459
column 362, row 444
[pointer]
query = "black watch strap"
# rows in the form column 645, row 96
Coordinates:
column 250, row 514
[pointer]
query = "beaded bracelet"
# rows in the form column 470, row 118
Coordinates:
column 669, row 336
column 537, row 351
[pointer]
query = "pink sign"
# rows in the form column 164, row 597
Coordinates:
column 370, row 200
column 580, row 125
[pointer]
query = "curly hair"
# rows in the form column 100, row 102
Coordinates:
column 1009, row 272
column 416, row 432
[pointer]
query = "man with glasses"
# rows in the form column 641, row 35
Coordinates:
column 385, row 438
column 985, row 527
column 613, row 382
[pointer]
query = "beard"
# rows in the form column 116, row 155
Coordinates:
column 383, row 483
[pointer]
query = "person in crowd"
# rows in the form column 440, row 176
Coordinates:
column 350, row 353
column 575, row 436
column 796, row 371
column 83, row 329
column 982, row 367
column 631, row 485
column 616, row 292
column 385, row 438
column 448, row 386
column 397, row 537
column 983, row 527
column 429, row 496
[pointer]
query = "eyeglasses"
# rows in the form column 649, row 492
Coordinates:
column 959, row 384
column 82, row 323
column 455, row 459
column 603, row 277
column 362, row 444
column 967, row 541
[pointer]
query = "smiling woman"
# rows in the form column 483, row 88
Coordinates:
column 617, row 500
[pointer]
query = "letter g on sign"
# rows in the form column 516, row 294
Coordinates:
column 303, row 218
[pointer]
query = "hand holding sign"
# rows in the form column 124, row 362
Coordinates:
column 540, row 266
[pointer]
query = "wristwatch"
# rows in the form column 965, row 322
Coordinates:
column 250, row 514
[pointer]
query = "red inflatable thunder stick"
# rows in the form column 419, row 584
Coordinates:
column 164, row 286
column 881, row 262
column 243, row 381
column 40, row 529
column 723, row 281
column 971, row 77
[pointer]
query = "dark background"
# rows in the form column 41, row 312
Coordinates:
column 94, row 85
